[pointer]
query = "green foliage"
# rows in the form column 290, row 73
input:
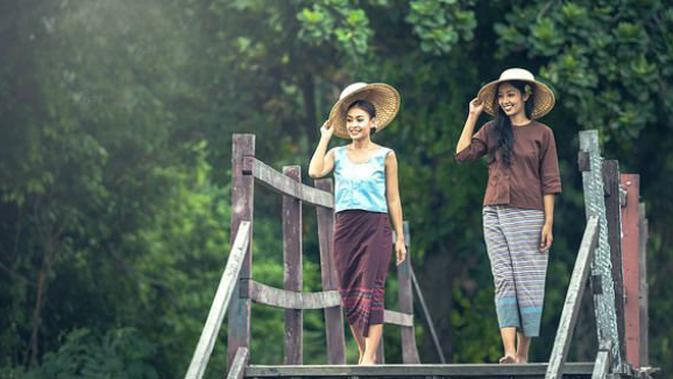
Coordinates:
column 115, row 161
column 608, row 60
column 441, row 24
column 119, row 353
column 336, row 20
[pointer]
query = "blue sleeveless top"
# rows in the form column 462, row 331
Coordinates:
column 360, row 185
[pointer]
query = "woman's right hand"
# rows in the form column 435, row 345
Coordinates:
column 326, row 130
column 476, row 106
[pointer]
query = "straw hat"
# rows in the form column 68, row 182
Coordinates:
column 385, row 98
column 543, row 95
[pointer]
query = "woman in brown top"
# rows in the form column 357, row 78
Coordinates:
column 518, row 208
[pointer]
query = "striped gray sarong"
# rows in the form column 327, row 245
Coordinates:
column 519, row 269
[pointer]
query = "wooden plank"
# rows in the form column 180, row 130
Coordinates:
column 278, row 182
column 380, row 353
column 613, row 214
column 334, row 323
column 223, row 295
column 644, row 290
column 631, row 264
column 573, row 301
column 242, row 205
column 417, row 370
column 397, row 318
column 602, row 364
column 583, row 161
column 279, row 298
column 237, row 369
column 292, row 270
column 428, row 317
column 406, row 299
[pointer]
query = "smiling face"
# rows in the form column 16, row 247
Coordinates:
column 511, row 100
column 359, row 123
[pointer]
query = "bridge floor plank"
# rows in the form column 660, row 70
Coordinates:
column 531, row 370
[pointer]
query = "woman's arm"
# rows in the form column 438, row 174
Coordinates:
column 476, row 107
column 395, row 206
column 550, row 177
column 322, row 163
column 547, row 236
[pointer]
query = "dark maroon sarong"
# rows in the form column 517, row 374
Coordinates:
column 362, row 249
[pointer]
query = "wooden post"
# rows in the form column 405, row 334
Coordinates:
column 406, row 298
column 292, row 270
column 242, row 201
column 602, row 281
column 644, row 295
column 334, row 324
column 613, row 215
column 381, row 353
column 573, row 300
column 237, row 369
column 602, row 364
column 630, row 249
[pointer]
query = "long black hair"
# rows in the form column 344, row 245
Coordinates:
column 365, row 106
column 502, row 125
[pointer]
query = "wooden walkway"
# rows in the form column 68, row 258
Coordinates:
column 425, row 371
column 614, row 262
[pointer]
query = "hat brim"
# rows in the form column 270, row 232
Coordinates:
column 384, row 97
column 543, row 95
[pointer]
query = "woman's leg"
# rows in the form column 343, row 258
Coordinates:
column 508, row 335
column 503, row 277
column 522, row 229
column 372, row 342
column 522, row 348
column 360, row 341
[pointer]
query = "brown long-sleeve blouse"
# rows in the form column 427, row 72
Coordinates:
column 534, row 171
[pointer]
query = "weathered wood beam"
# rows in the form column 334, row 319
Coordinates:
column 613, row 215
column 406, row 299
column 242, row 209
column 334, row 323
column 278, row 182
column 644, row 290
column 218, row 308
column 292, row 270
column 237, row 370
column 530, row 370
column 602, row 364
column 276, row 297
column 573, row 300
column 630, row 241
column 397, row 318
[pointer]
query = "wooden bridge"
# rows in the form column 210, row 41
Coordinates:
column 612, row 249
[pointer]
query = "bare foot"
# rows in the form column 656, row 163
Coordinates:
column 507, row 359
column 521, row 360
column 365, row 361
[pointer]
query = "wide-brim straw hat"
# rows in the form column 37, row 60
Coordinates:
column 384, row 97
column 543, row 96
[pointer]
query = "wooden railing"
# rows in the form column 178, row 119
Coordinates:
column 578, row 282
column 204, row 348
column 295, row 194
column 237, row 289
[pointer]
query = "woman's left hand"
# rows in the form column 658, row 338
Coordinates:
column 546, row 238
column 400, row 251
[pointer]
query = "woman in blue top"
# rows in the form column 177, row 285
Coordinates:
column 366, row 200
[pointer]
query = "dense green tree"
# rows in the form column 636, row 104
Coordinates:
column 115, row 148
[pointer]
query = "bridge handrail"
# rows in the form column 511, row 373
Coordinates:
column 573, row 300
column 218, row 308
column 280, row 298
column 283, row 184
